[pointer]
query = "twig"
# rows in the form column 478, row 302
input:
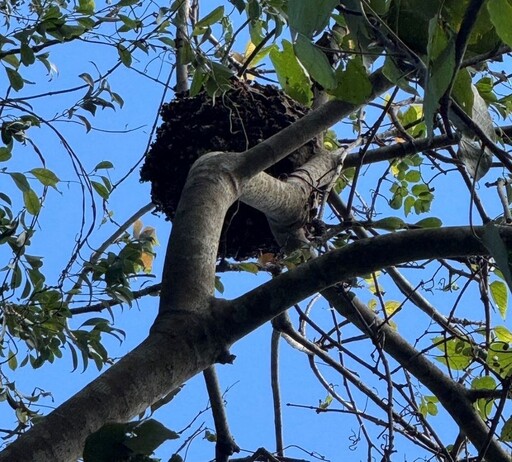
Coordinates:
column 286, row 327
column 107, row 243
column 364, row 150
column 276, row 392
column 181, row 43
column 502, row 193
column 225, row 445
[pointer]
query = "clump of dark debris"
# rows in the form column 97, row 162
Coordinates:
column 238, row 119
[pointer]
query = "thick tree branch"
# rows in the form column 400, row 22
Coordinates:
column 361, row 257
column 196, row 339
column 293, row 137
column 399, row 150
column 181, row 44
column 220, row 177
column 450, row 393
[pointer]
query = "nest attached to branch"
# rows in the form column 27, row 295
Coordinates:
column 237, row 120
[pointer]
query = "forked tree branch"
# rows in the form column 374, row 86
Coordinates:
column 197, row 339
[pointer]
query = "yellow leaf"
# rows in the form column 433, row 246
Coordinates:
column 503, row 334
column 149, row 233
column 137, row 227
column 391, row 307
column 266, row 258
column 147, row 261
column 394, row 170
column 329, row 145
column 249, row 49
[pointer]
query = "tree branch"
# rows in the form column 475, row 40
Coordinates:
column 281, row 144
column 225, row 445
column 196, row 339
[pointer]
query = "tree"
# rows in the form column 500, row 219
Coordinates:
column 413, row 79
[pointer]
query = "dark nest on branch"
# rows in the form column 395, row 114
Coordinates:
column 237, row 120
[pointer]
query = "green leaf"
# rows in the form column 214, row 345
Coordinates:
column 253, row 10
column 440, row 70
column 484, row 405
column 219, row 287
column 128, row 23
column 15, row 79
column 397, row 76
column 506, row 431
column 310, row 17
column 391, row 306
column 124, row 55
column 85, row 121
column 70, row 32
column 499, row 294
column 315, row 61
column 149, row 435
column 27, row 55
column 106, row 444
column 389, row 224
column 291, row 74
column 428, row 406
column 326, row 402
column 87, row 78
column 31, row 202
column 12, row 60
column 354, row 86
column 45, row 176
column 12, row 361
column 238, row 4
column 463, row 92
column 166, row 399
column 249, row 267
column 209, row 436
column 197, row 81
column 499, row 358
column 100, row 189
column 211, row 18
column 104, row 164
column 17, row 277
column 127, row 2
column 503, row 334
column 500, row 12
column 408, row 204
column 21, row 181
column 218, row 80
column 168, row 41
column 413, row 176
column 86, row 6
column 431, row 222
column 458, row 353
column 498, row 250
column 5, row 154
column 486, row 382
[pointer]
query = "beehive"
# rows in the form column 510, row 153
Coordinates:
column 236, row 120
